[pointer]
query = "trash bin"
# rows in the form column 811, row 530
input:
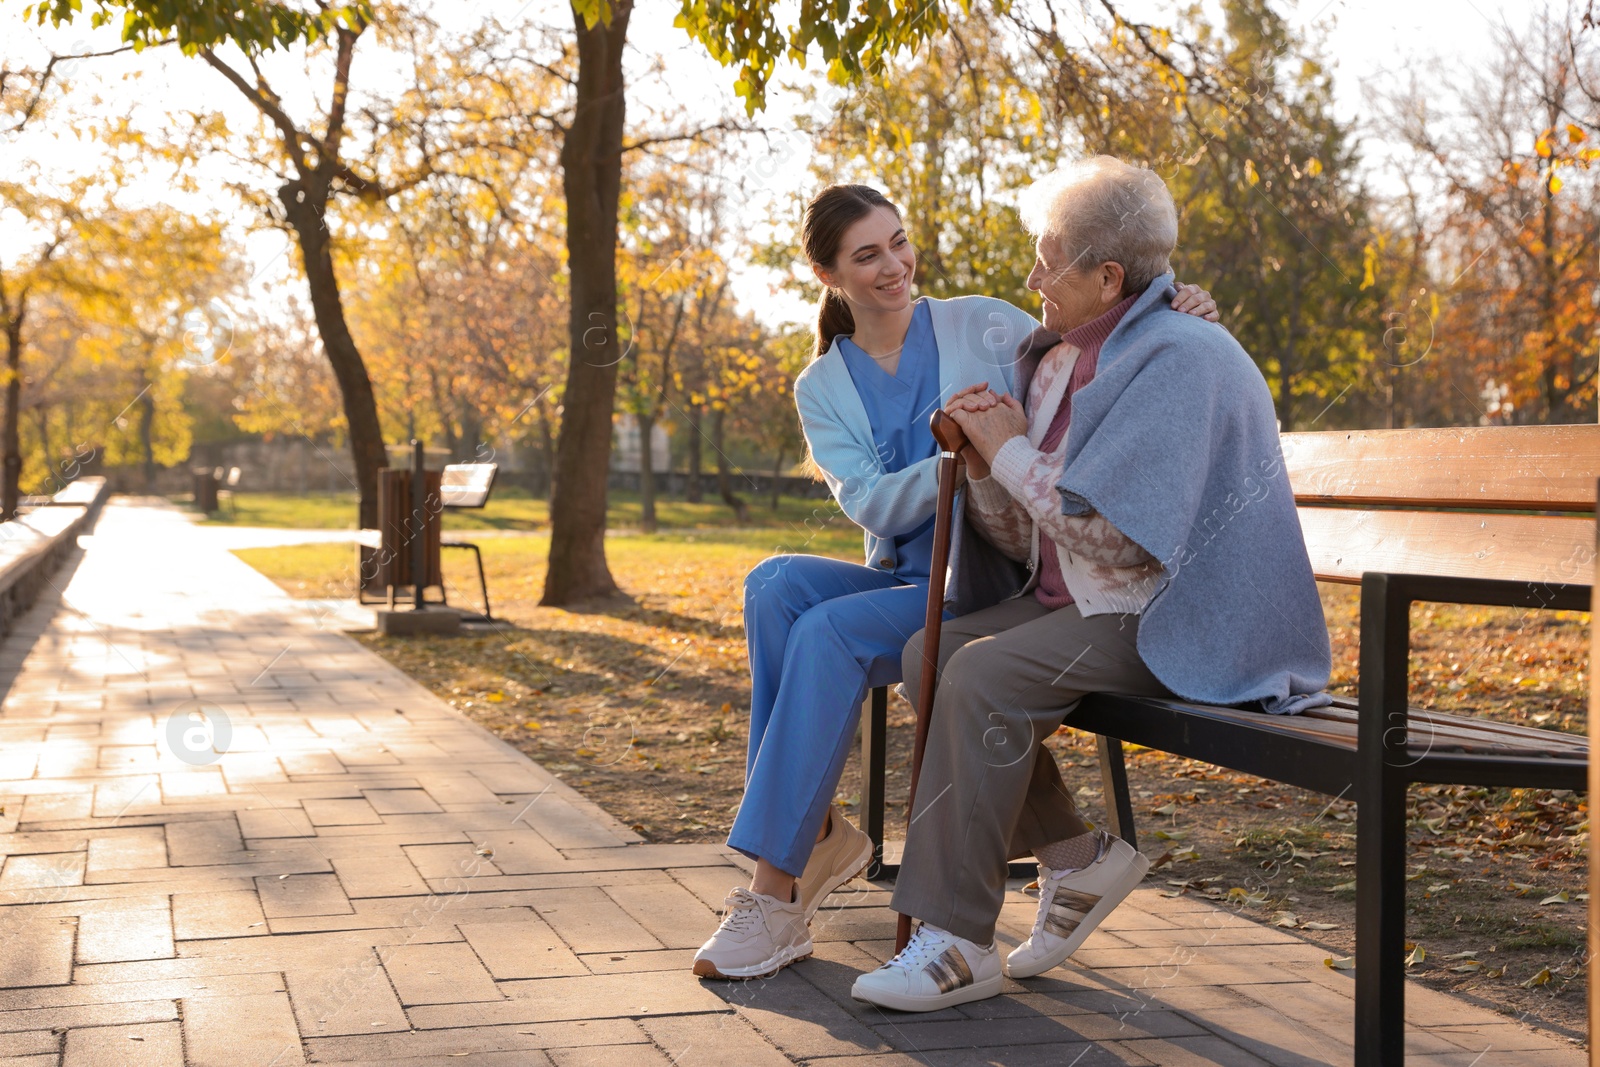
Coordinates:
column 205, row 489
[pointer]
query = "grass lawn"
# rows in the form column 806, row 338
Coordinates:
column 642, row 704
column 511, row 508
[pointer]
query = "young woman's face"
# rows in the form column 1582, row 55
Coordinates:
column 875, row 263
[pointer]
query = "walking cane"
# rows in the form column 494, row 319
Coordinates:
column 951, row 441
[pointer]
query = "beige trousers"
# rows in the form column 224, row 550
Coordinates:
column 989, row 790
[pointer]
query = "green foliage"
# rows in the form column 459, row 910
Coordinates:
column 855, row 40
column 197, row 25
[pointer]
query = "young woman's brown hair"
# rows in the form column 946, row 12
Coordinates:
column 830, row 213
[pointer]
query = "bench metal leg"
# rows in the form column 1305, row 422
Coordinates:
column 1381, row 760
column 1114, row 781
column 483, row 583
column 874, row 740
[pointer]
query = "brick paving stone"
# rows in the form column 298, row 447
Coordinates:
column 38, row 949
column 590, row 921
column 620, row 1034
column 388, row 875
column 1205, row 1051
column 200, row 843
column 667, row 959
column 400, row 801
column 44, row 871
column 519, row 851
column 561, row 999
column 439, row 974
column 48, row 807
column 327, row 812
column 124, row 930
column 201, row 916
column 302, row 894
column 112, row 1014
column 720, row 1041
column 145, row 847
column 672, row 915
column 29, row 1043
column 345, row 993
column 642, row 1056
column 239, row 1031
column 525, row 949
column 275, row 822
column 797, row 1017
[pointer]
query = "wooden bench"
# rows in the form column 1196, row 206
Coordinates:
column 1484, row 516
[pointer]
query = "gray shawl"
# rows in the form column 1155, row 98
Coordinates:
column 1175, row 442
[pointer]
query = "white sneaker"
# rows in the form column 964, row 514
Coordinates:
column 1073, row 903
column 845, row 853
column 759, row 936
column 935, row 970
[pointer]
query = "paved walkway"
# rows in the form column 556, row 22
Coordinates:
column 365, row 877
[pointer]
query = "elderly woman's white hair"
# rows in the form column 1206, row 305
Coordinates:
column 1102, row 209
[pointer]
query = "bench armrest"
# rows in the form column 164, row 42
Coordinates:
column 1386, row 601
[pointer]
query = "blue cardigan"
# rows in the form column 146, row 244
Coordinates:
column 977, row 338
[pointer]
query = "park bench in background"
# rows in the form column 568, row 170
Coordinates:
column 1483, row 516
column 387, row 569
column 33, row 545
column 467, row 485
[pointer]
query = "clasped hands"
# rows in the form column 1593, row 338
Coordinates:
column 989, row 420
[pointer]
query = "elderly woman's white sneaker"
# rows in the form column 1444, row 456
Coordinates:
column 936, row 970
column 759, row 936
column 1073, row 903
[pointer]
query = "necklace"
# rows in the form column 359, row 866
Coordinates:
column 887, row 355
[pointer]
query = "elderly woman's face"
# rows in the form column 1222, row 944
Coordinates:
column 875, row 263
column 1074, row 293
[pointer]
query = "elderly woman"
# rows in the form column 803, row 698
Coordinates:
column 1140, row 480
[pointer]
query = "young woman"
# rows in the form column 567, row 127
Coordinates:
column 821, row 631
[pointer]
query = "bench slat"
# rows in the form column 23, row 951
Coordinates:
column 1532, row 468
column 1345, row 542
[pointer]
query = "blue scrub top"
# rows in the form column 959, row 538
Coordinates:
column 899, row 406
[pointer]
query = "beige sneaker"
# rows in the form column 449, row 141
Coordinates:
column 759, row 936
column 845, row 853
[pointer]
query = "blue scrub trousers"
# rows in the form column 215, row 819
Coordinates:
column 821, row 632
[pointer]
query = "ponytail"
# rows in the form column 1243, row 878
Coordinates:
column 827, row 216
column 833, row 318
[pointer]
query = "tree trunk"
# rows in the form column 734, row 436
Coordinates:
column 591, row 179
column 305, row 204
column 777, row 477
column 724, row 480
column 55, row 470
column 647, row 474
column 10, row 433
column 547, row 457
column 147, row 433
column 693, row 491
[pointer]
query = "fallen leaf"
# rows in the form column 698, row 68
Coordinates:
column 1418, row 954
column 1167, row 809
column 1341, row 887
column 1556, row 898
column 1459, row 956
column 1542, row 978
column 1345, row 963
column 1319, row 926
column 1285, row 918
